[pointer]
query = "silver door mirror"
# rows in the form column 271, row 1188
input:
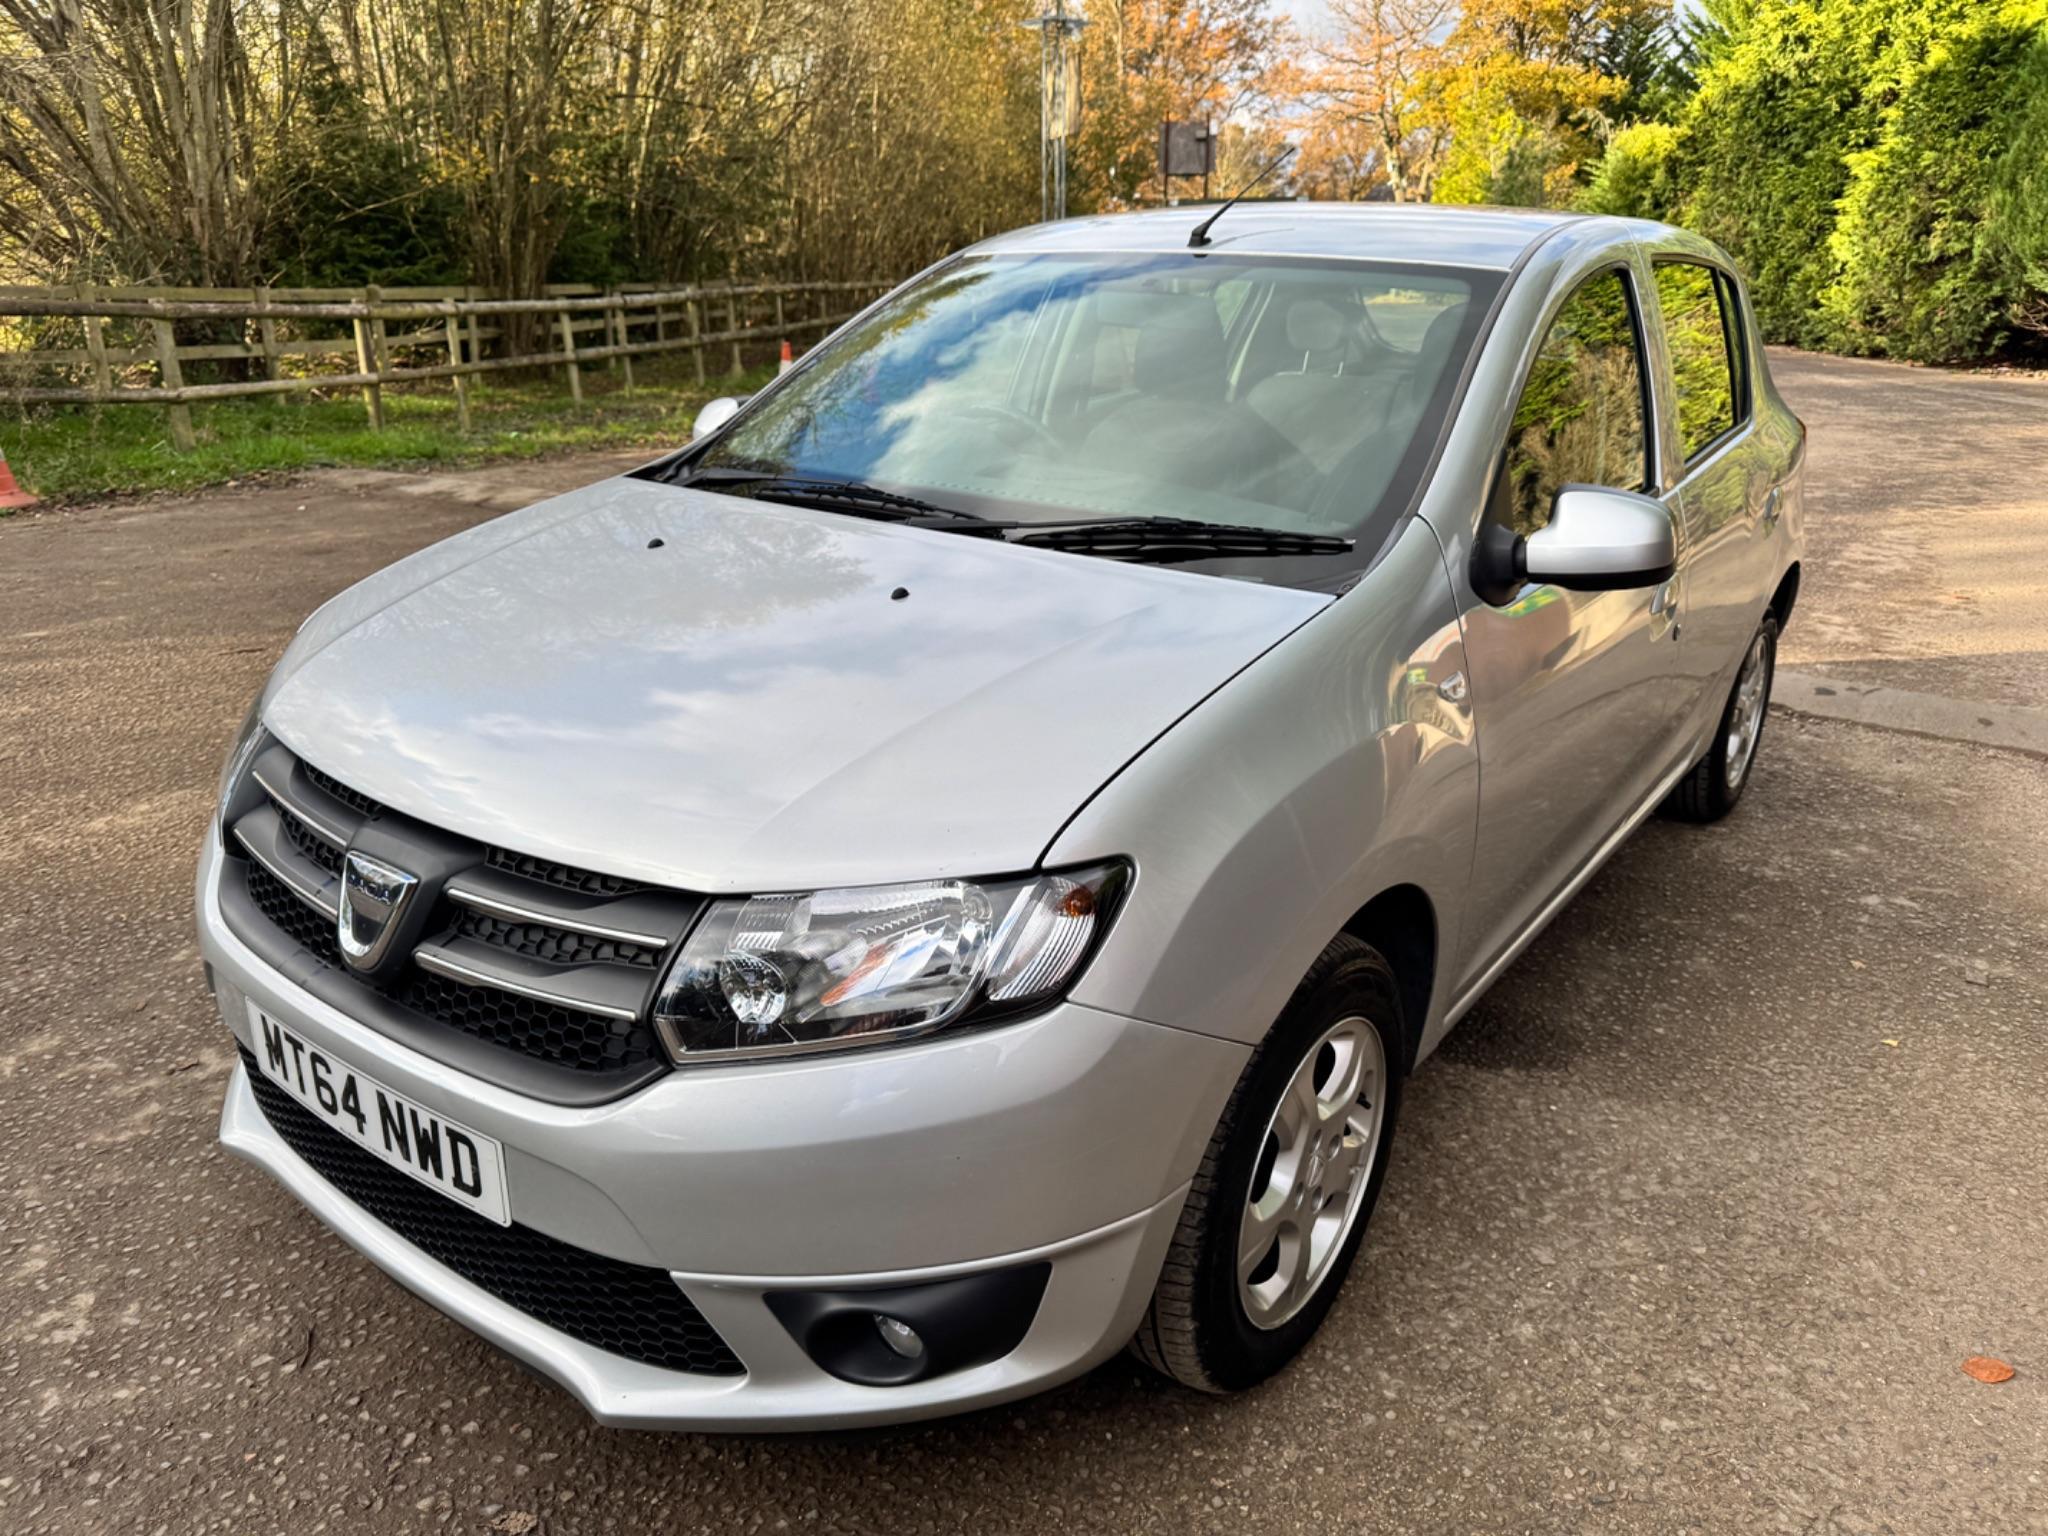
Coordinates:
column 715, row 414
column 1599, row 540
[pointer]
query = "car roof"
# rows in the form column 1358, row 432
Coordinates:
column 1428, row 233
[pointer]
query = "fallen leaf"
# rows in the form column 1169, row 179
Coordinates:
column 1984, row 1368
column 1893, row 1044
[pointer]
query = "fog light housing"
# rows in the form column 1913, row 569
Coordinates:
column 899, row 1336
column 888, row 1338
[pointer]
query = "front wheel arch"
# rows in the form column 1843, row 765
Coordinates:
column 1400, row 922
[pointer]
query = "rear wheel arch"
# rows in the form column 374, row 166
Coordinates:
column 1786, row 595
column 1400, row 922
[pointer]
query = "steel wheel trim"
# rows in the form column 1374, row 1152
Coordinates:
column 1315, row 1164
column 1746, row 720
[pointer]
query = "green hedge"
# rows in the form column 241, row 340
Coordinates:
column 1880, row 167
column 1925, row 268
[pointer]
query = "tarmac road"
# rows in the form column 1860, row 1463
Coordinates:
column 1689, row 1228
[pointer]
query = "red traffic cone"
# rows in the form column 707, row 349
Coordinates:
column 788, row 358
column 12, row 495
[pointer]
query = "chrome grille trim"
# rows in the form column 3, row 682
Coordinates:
column 460, row 890
column 316, row 823
column 250, row 831
column 438, row 959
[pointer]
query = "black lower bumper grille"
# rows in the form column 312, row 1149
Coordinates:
column 632, row 1310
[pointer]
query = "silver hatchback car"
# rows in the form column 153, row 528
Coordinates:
column 944, row 878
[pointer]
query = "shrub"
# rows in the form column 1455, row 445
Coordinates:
column 1634, row 177
column 1764, row 159
column 2016, row 210
column 1922, row 273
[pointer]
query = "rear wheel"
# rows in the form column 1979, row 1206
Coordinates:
column 1276, row 1212
column 1717, row 780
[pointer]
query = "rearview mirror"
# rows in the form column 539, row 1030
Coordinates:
column 1599, row 540
column 715, row 414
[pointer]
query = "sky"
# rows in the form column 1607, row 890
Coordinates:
column 1311, row 15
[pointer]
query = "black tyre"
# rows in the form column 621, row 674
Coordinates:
column 1288, row 1184
column 1716, row 782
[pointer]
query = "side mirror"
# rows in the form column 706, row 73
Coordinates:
column 1602, row 541
column 1597, row 540
column 715, row 414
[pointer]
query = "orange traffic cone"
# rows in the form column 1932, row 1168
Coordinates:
column 788, row 358
column 12, row 495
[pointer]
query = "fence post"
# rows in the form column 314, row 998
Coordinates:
column 266, row 332
column 732, row 324
column 615, row 326
column 373, row 393
column 380, row 339
column 696, row 331
column 454, row 333
column 172, row 377
column 96, row 347
column 569, row 355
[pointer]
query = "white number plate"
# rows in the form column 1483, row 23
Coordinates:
column 466, row 1166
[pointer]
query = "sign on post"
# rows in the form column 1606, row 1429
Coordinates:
column 1186, row 149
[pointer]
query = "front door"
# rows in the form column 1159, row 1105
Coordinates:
column 1570, row 690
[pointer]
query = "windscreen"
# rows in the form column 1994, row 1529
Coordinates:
column 1294, row 395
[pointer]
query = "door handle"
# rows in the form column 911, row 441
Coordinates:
column 1664, row 605
column 1774, row 506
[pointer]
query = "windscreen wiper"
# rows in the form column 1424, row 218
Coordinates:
column 1163, row 540
column 851, row 496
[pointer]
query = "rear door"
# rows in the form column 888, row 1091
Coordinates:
column 1571, row 691
column 1717, row 478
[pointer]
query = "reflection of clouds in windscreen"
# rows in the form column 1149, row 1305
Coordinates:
column 922, row 428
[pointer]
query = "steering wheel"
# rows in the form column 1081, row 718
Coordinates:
column 1008, row 420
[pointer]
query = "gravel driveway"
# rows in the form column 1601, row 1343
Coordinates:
column 1690, row 1227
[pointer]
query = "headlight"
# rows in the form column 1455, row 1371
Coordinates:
column 866, row 965
column 249, row 740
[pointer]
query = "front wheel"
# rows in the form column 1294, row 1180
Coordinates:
column 1716, row 781
column 1276, row 1212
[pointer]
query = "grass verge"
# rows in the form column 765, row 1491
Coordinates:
column 72, row 453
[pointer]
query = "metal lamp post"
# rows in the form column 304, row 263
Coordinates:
column 1059, row 99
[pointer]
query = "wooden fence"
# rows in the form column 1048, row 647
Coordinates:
column 130, row 333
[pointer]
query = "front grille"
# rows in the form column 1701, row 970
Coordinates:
column 360, row 803
column 566, row 1037
column 633, row 1310
column 566, row 877
column 541, row 988
column 557, row 946
column 310, row 845
column 307, row 927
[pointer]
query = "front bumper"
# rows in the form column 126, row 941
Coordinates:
column 1069, row 1137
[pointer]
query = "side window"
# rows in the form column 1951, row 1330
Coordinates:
column 1699, row 327
column 1580, row 419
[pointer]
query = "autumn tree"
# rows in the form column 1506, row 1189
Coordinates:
column 1522, row 93
column 1374, row 119
column 1145, row 61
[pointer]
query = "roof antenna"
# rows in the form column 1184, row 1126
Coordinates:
column 1200, row 237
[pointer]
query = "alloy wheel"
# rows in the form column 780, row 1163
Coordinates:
column 1314, row 1168
column 1746, row 719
